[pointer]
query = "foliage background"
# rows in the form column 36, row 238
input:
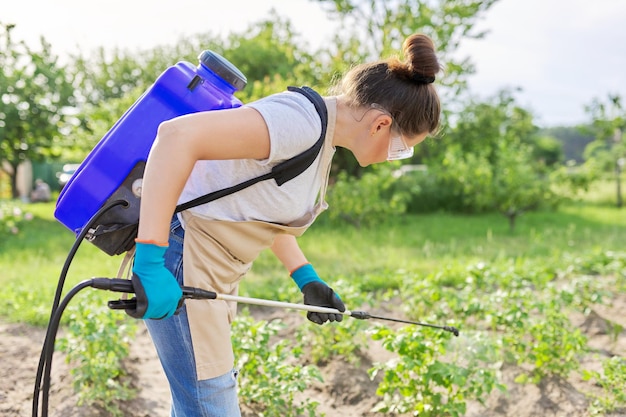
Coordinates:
column 473, row 229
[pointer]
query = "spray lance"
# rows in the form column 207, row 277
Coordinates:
column 130, row 305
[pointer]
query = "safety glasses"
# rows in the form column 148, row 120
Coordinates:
column 398, row 148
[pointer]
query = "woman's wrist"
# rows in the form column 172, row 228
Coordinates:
column 305, row 274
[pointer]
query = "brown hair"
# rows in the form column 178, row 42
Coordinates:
column 404, row 88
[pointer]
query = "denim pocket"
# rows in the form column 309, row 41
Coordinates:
column 174, row 253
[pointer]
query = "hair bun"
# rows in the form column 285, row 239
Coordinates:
column 420, row 58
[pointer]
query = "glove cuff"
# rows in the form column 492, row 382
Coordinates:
column 147, row 251
column 305, row 275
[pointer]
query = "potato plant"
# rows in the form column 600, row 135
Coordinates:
column 270, row 377
column 612, row 380
column 96, row 344
column 424, row 380
column 519, row 310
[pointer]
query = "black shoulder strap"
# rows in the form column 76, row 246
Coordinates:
column 295, row 166
column 286, row 170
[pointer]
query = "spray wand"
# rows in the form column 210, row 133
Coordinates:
column 126, row 286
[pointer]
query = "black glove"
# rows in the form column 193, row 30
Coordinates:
column 317, row 293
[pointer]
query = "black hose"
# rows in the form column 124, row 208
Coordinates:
column 48, row 349
column 45, row 359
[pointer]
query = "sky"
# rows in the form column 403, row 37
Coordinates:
column 560, row 54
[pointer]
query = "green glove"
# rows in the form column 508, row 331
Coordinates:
column 157, row 291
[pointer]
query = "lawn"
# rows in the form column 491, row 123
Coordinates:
column 417, row 246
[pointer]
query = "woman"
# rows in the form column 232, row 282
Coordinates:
column 380, row 112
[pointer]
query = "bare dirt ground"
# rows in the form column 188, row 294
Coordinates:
column 347, row 390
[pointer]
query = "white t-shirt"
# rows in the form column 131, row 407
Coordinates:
column 294, row 126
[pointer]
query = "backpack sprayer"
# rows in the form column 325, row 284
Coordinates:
column 100, row 203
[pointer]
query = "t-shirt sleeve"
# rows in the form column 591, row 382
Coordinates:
column 293, row 124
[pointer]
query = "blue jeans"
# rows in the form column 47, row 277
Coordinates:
column 215, row 397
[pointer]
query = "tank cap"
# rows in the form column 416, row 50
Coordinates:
column 224, row 68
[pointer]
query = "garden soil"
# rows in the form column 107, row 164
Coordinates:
column 347, row 390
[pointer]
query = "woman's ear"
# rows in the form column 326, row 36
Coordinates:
column 380, row 122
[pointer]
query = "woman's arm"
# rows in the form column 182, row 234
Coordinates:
column 316, row 292
column 288, row 252
column 180, row 142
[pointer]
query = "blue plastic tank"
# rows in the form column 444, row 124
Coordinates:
column 116, row 162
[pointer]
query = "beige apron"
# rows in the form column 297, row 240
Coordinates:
column 216, row 256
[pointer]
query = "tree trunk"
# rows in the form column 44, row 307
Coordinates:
column 13, row 181
column 511, row 216
column 618, row 181
column 14, row 192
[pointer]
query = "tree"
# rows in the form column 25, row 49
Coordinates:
column 111, row 81
column 609, row 128
column 270, row 49
column 488, row 162
column 36, row 95
column 379, row 27
column 265, row 50
column 480, row 125
column 518, row 183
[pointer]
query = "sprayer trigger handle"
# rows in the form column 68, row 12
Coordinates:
column 122, row 304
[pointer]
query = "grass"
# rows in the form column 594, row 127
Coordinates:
column 31, row 261
column 426, row 243
column 430, row 253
